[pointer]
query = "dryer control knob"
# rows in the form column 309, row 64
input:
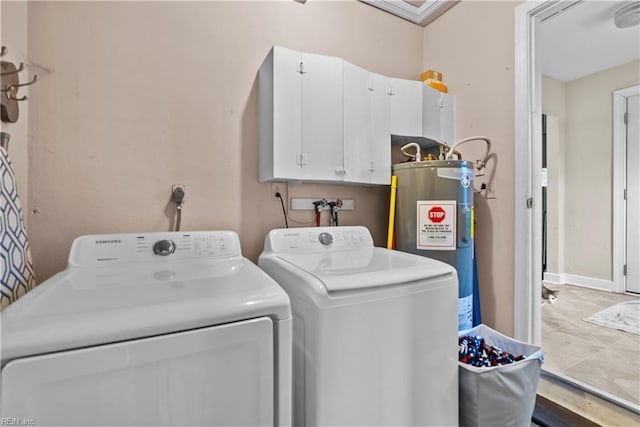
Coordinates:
column 164, row 247
column 325, row 238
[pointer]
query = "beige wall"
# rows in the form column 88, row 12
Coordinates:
column 585, row 107
column 13, row 16
column 588, row 165
column 472, row 45
column 145, row 95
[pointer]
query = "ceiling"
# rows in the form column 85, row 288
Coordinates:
column 582, row 39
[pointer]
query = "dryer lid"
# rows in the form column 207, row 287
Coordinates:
column 110, row 302
column 368, row 267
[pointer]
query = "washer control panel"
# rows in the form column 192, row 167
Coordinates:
column 153, row 247
column 314, row 239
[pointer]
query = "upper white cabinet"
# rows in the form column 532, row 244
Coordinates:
column 300, row 117
column 322, row 119
column 420, row 110
column 366, row 133
column 438, row 115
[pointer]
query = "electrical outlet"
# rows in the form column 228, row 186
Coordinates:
column 277, row 187
column 491, row 190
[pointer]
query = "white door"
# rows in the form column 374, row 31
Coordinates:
column 285, row 101
column 438, row 115
column 220, row 375
column 379, row 147
column 357, row 122
column 321, row 109
column 406, row 107
column 633, row 194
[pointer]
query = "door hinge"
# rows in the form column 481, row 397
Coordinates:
column 529, row 202
column 626, row 118
column 624, row 270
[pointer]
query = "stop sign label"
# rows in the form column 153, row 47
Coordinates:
column 436, row 225
column 437, row 214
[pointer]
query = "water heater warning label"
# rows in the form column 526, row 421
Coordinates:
column 436, row 225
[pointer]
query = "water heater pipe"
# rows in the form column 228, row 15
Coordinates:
column 471, row 138
column 416, row 156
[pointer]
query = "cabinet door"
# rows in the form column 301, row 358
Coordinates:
column 321, row 118
column 286, row 114
column 447, row 118
column 437, row 121
column 380, row 143
column 357, row 129
column 279, row 115
column 406, row 107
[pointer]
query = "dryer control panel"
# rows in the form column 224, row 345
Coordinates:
column 317, row 239
column 128, row 248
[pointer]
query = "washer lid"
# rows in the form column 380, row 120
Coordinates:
column 367, row 267
column 85, row 306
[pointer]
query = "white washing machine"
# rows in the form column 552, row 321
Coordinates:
column 150, row 329
column 375, row 331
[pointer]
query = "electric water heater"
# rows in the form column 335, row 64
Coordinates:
column 434, row 218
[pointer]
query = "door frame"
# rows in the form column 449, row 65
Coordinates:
column 527, row 317
column 619, row 184
column 527, row 269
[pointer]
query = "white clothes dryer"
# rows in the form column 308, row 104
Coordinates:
column 150, row 329
column 375, row 331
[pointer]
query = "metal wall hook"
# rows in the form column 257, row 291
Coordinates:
column 15, row 98
column 17, row 70
column 16, row 85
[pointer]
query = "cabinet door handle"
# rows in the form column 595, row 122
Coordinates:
column 300, row 68
column 371, row 168
column 300, row 159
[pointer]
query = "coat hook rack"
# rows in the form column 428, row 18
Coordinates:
column 9, row 87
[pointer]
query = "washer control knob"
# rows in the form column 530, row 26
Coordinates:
column 325, row 238
column 164, row 247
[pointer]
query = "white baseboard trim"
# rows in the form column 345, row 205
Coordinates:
column 552, row 278
column 585, row 282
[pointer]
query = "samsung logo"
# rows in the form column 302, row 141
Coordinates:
column 107, row 242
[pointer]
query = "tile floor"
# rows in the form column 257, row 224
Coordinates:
column 603, row 357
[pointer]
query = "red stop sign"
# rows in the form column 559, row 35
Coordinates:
column 436, row 214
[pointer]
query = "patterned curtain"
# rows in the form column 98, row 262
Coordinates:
column 16, row 269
